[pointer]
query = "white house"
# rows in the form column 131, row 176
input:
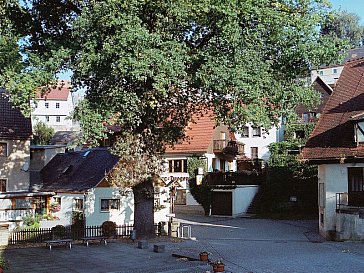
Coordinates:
column 330, row 74
column 337, row 147
column 218, row 148
column 256, row 140
column 54, row 108
column 79, row 185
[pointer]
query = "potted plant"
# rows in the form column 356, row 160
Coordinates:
column 218, row 266
column 3, row 264
column 204, row 256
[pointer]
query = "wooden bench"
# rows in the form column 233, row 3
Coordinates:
column 59, row 241
column 99, row 238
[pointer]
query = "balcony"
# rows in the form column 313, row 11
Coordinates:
column 14, row 214
column 351, row 202
column 233, row 178
column 229, row 148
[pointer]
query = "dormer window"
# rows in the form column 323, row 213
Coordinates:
column 359, row 131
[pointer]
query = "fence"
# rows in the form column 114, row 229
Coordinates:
column 42, row 234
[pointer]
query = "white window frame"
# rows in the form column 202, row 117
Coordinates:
column 6, row 153
column 46, row 105
column 254, row 131
column 47, row 118
column 110, row 206
column 75, row 205
column 57, row 105
column 58, row 119
column 245, row 132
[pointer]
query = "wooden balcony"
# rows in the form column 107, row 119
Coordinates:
column 233, row 178
column 230, row 148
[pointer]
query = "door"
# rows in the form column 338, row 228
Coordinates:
column 355, row 187
column 222, row 203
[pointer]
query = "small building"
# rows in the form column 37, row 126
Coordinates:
column 79, row 186
column 337, row 147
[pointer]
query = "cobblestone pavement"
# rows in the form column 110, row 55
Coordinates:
column 245, row 245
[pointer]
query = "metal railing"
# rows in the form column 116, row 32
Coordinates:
column 349, row 201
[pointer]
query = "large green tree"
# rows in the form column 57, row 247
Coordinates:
column 147, row 65
column 344, row 25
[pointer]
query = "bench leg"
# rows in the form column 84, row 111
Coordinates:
column 50, row 246
column 70, row 244
column 87, row 243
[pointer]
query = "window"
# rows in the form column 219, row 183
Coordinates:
column 254, row 152
column 78, row 204
column 2, row 185
column 178, row 166
column 245, row 132
column 109, row 204
column 256, row 131
column 222, row 135
column 3, row 149
column 309, row 117
column 214, row 165
column 334, row 71
column 57, row 104
column 355, row 187
column 299, row 134
column 58, row 119
column 321, row 72
column 222, row 165
column 35, row 104
column 57, row 199
column 359, row 132
column 46, row 105
column 47, row 118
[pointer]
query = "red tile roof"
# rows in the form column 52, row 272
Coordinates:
column 13, row 124
column 200, row 132
column 333, row 136
column 59, row 92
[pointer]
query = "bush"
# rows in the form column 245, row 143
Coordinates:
column 108, row 228
column 58, row 231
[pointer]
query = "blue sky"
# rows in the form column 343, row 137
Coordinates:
column 354, row 6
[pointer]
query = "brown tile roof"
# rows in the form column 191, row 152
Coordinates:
column 77, row 171
column 333, row 136
column 199, row 134
column 59, row 92
column 13, row 124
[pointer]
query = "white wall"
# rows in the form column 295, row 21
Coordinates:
column 327, row 74
column 243, row 195
column 94, row 215
column 335, row 180
column 40, row 112
column 262, row 142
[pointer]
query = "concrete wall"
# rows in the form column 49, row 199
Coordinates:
column 242, row 198
column 14, row 166
column 350, row 226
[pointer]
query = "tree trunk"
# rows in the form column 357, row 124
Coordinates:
column 144, row 209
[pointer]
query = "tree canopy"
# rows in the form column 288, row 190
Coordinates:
column 148, row 65
column 344, row 25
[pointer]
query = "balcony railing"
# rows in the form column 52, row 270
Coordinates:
column 233, row 178
column 349, row 202
column 14, row 214
column 228, row 147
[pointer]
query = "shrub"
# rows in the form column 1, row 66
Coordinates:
column 108, row 228
column 58, row 231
